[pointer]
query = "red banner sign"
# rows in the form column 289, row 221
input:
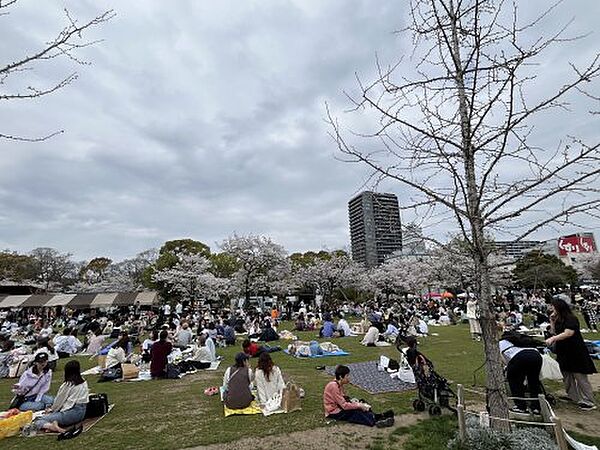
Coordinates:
column 576, row 244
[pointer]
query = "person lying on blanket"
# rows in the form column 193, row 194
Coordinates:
column 339, row 407
column 253, row 350
column 68, row 408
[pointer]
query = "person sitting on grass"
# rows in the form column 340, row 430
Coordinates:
column 34, row 384
column 268, row 334
column 117, row 354
column 269, row 381
column 202, row 352
column 371, row 337
column 328, row 329
column 68, row 407
column 147, row 345
column 339, row 407
column 343, row 327
column 300, row 324
column 229, row 333
column 158, row 355
column 236, row 383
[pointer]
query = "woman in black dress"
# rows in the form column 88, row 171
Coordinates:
column 572, row 355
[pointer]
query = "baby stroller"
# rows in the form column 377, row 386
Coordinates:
column 434, row 391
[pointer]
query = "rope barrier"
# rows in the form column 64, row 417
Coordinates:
column 544, row 424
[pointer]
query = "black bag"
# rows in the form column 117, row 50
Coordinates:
column 173, row 371
column 97, row 406
column 393, row 365
column 16, row 401
column 111, row 374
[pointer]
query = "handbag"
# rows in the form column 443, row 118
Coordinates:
column 97, row 405
column 16, row 401
column 130, row 371
column 290, row 398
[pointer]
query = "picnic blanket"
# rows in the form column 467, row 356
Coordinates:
column 87, row 424
column 254, row 408
column 144, row 375
column 365, row 375
column 337, row 353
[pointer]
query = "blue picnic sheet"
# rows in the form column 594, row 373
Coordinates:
column 338, row 353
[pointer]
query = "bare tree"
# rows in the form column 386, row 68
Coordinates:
column 64, row 45
column 458, row 133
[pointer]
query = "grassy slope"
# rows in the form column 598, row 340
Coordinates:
column 170, row 414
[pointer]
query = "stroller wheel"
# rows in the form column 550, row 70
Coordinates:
column 435, row 410
column 419, row 405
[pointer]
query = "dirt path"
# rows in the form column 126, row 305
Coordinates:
column 338, row 436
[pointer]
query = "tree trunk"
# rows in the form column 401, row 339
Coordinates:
column 496, row 391
column 497, row 401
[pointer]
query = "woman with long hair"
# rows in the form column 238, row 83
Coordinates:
column 268, row 379
column 572, row 355
column 69, row 405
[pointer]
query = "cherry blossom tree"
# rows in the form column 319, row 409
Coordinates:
column 256, row 257
column 331, row 276
column 190, row 278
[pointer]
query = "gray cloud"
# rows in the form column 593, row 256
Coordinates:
column 196, row 119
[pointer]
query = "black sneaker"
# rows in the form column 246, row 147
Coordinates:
column 77, row 431
column 586, row 406
column 385, row 423
column 388, row 413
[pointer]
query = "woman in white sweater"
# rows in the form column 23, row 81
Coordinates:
column 267, row 378
column 69, row 404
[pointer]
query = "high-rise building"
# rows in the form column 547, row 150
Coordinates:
column 374, row 227
column 516, row 250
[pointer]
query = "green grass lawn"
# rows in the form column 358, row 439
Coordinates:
column 171, row 414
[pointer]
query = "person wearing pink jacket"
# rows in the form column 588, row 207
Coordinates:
column 339, row 407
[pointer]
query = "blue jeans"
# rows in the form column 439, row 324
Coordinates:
column 31, row 405
column 63, row 418
column 355, row 416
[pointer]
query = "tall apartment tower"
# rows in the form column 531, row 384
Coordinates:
column 374, row 227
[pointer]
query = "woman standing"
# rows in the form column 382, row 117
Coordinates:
column 269, row 380
column 473, row 316
column 572, row 355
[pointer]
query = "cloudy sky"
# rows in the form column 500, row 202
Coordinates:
column 194, row 119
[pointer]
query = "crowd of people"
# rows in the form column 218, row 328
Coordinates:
column 33, row 340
